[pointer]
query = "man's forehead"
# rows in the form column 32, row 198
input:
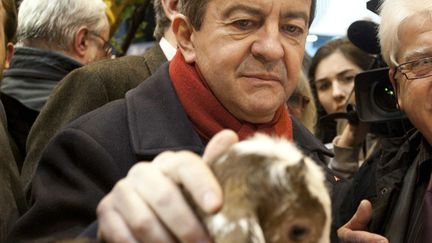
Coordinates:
column 418, row 22
column 286, row 8
column 415, row 34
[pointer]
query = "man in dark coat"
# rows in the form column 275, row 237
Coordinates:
column 11, row 194
column 96, row 84
column 397, row 181
column 238, row 62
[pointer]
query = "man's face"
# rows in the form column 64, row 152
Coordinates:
column 415, row 96
column 249, row 53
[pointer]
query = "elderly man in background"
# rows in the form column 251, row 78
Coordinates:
column 397, row 183
column 92, row 86
column 53, row 38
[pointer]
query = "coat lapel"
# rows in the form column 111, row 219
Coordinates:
column 156, row 118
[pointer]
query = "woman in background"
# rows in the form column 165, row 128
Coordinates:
column 331, row 76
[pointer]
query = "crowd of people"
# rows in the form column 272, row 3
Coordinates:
column 103, row 148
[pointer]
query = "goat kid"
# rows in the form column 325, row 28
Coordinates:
column 272, row 193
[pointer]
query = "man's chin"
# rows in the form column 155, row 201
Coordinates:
column 260, row 115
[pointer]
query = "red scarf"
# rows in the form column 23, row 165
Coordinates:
column 208, row 115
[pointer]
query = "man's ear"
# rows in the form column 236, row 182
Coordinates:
column 170, row 8
column 396, row 86
column 184, row 33
column 9, row 54
column 80, row 44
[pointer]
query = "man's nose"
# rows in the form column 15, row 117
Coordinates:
column 268, row 44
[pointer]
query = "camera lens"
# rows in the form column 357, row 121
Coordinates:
column 384, row 96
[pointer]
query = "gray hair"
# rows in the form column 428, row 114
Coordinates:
column 392, row 13
column 55, row 22
column 162, row 21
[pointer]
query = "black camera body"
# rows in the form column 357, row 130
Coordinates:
column 375, row 98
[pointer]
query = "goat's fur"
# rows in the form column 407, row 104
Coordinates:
column 272, row 193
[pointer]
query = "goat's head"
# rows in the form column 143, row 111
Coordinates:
column 272, row 193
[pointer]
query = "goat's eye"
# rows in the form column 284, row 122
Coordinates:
column 298, row 233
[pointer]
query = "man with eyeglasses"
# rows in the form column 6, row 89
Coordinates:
column 397, row 183
column 53, row 38
column 94, row 85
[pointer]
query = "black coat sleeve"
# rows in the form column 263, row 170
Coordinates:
column 75, row 172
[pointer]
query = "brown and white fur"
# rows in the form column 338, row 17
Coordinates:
column 272, row 193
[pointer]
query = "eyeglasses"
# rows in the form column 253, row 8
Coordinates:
column 298, row 101
column 421, row 68
column 107, row 47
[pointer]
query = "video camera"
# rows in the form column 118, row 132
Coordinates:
column 376, row 100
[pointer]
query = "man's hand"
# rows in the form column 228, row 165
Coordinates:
column 353, row 231
column 148, row 206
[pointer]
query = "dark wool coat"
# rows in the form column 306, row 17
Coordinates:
column 84, row 161
column 11, row 194
column 82, row 91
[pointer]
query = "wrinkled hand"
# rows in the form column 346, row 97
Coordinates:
column 354, row 230
column 148, row 206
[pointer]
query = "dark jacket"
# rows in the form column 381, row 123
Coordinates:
column 82, row 91
column 11, row 194
column 383, row 179
column 26, row 86
column 84, row 161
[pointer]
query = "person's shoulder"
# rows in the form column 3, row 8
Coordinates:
column 306, row 140
column 112, row 65
column 116, row 75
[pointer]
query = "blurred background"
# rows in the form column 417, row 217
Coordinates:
column 333, row 17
